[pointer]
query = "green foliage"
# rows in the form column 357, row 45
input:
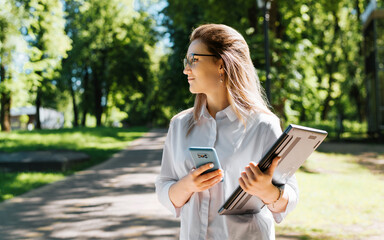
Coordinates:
column 110, row 64
column 351, row 130
column 11, row 43
column 316, row 64
column 99, row 58
column 23, row 121
column 83, row 52
column 47, row 41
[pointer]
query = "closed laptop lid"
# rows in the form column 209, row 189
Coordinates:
column 294, row 146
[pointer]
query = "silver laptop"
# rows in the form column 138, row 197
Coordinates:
column 294, row 146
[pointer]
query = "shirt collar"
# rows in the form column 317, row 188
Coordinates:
column 228, row 111
column 204, row 111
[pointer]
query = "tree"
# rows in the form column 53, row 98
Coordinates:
column 10, row 43
column 48, row 45
column 110, row 57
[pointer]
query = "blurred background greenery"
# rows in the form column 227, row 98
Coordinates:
column 119, row 62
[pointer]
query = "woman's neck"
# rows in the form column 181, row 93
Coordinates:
column 216, row 103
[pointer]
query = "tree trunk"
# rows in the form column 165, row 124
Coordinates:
column 107, row 89
column 85, row 97
column 84, row 118
column 324, row 112
column 5, row 112
column 99, row 77
column 273, row 17
column 303, row 115
column 253, row 12
column 5, row 106
column 74, row 105
column 97, row 96
column 38, row 105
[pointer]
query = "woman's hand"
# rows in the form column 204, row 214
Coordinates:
column 258, row 183
column 195, row 181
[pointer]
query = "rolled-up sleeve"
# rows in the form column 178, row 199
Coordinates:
column 167, row 176
column 291, row 189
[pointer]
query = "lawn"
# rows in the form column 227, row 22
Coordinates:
column 339, row 199
column 99, row 143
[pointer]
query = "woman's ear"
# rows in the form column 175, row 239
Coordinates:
column 221, row 65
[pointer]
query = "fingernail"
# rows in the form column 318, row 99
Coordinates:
column 211, row 165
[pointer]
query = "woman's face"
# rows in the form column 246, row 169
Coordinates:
column 203, row 72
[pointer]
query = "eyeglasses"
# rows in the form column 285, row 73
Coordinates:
column 189, row 60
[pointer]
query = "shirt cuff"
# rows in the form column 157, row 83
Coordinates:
column 166, row 201
column 292, row 202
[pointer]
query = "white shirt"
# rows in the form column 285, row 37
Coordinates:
column 236, row 146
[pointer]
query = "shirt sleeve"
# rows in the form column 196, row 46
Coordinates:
column 167, row 176
column 291, row 189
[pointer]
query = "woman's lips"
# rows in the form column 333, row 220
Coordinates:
column 191, row 79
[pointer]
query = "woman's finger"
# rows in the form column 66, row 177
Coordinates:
column 245, row 178
column 273, row 166
column 250, row 174
column 202, row 169
column 242, row 184
column 255, row 168
column 208, row 184
column 210, row 175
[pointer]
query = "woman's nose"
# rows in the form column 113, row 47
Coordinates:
column 187, row 69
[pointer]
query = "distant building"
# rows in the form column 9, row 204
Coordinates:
column 50, row 118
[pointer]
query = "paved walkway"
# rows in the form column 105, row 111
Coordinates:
column 113, row 200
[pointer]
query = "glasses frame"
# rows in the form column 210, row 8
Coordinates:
column 192, row 55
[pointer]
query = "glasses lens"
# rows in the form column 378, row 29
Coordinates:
column 185, row 62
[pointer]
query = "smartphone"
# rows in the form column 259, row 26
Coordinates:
column 204, row 155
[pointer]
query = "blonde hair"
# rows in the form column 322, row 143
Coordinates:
column 244, row 91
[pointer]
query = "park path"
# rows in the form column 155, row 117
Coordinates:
column 113, row 200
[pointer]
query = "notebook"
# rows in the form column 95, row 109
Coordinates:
column 294, row 146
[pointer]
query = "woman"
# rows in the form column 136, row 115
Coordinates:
column 231, row 115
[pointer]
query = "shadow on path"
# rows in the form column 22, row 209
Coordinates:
column 113, row 200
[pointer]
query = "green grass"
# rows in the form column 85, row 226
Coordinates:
column 13, row 184
column 339, row 199
column 99, row 143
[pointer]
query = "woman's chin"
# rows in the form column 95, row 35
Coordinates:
column 192, row 90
